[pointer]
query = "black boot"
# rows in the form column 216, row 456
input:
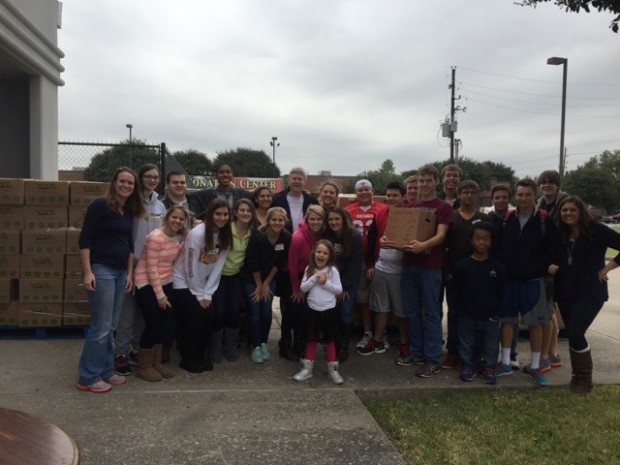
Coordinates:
column 343, row 349
column 286, row 352
column 581, row 363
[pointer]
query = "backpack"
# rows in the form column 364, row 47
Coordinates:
column 542, row 215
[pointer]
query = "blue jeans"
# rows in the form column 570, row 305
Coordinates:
column 484, row 333
column 347, row 304
column 260, row 315
column 420, row 288
column 106, row 304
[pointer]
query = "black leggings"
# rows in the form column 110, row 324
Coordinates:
column 578, row 316
column 196, row 325
column 155, row 319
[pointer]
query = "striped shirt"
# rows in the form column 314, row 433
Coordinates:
column 155, row 265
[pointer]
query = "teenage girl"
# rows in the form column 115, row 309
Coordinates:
column 227, row 299
column 321, row 282
column 262, row 199
column 196, row 276
column 153, row 281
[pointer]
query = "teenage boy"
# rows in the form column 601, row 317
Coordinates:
column 363, row 213
column 421, row 279
column 450, row 179
column 384, row 272
column 224, row 190
column 411, row 184
column 549, row 186
column 527, row 237
column 478, row 282
column 294, row 199
column 458, row 243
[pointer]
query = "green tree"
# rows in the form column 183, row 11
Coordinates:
column 613, row 6
column 104, row 164
column 194, row 162
column 597, row 181
column 379, row 178
column 247, row 162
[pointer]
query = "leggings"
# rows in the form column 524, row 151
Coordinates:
column 155, row 319
column 578, row 316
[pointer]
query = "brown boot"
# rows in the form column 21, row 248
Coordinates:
column 581, row 362
column 145, row 368
column 165, row 372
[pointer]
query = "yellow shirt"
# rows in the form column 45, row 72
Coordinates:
column 236, row 255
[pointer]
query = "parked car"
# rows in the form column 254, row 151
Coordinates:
column 611, row 218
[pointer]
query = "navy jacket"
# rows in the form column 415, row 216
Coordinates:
column 279, row 200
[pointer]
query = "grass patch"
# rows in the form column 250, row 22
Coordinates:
column 505, row 427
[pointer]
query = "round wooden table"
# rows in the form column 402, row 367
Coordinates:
column 28, row 440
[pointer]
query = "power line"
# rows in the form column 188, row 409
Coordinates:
column 536, row 95
column 540, row 80
column 538, row 112
column 537, row 103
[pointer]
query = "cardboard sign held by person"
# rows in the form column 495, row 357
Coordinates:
column 409, row 224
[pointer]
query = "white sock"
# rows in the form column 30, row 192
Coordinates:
column 506, row 355
column 535, row 363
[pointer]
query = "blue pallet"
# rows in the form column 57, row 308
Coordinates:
column 62, row 332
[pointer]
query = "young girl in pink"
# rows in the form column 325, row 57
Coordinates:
column 321, row 283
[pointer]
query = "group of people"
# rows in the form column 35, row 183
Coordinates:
column 182, row 268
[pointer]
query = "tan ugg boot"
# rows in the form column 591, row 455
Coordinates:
column 145, row 368
column 164, row 371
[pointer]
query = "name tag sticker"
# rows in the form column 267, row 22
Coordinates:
column 279, row 247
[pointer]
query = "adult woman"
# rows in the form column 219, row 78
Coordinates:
column 328, row 194
column 131, row 323
column 266, row 254
column 302, row 243
column 262, row 199
column 196, row 276
column 230, row 290
column 581, row 281
column 348, row 249
column 106, row 249
column 153, row 281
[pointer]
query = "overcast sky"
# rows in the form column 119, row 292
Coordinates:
column 343, row 84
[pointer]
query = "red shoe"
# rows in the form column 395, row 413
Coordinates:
column 450, row 362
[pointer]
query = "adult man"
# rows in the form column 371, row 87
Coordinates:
column 549, row 186
column 421, row 279
column 363, row 213
column 411, row 184
column 450, row 179
column 527, row 237
column 384, row 270
column 457, row 245
column 294, row 199
column 224, row 190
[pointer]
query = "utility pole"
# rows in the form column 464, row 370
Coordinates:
column 452, row 111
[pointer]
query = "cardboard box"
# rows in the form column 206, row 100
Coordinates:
column 9, row 314
column 408, row 224
column 73, row 266
column 40, row 291
column 7, row 290
column 40, row 315
column 84, row 192
column 9, row 266
column 46, row 193
column 10, row 242
column 44, row 242
column 75, row 291
column 11, row 217
column 45, row 218
column 76, row 216
column 76, row 314
column 73, row 238
column 42, row 266
column 11, row 191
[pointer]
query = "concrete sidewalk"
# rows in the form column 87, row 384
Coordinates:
column 242, row 413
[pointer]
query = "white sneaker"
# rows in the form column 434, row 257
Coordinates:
column 364, row 340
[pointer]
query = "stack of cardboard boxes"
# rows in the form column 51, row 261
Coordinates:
column 40, row 268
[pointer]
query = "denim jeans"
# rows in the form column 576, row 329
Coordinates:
column 453, row 319
column 106, row 304
column 260, row 315
column 484, row 333
column 346, row 305
column 226, row 302
column 420, row 288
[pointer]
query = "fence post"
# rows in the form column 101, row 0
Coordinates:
column 162, row 162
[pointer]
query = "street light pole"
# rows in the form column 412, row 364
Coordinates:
column 130, row 127
column 274, row 143
column 561, row 61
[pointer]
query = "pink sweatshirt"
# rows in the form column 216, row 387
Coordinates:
column 302, row 243
column 155, row 265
